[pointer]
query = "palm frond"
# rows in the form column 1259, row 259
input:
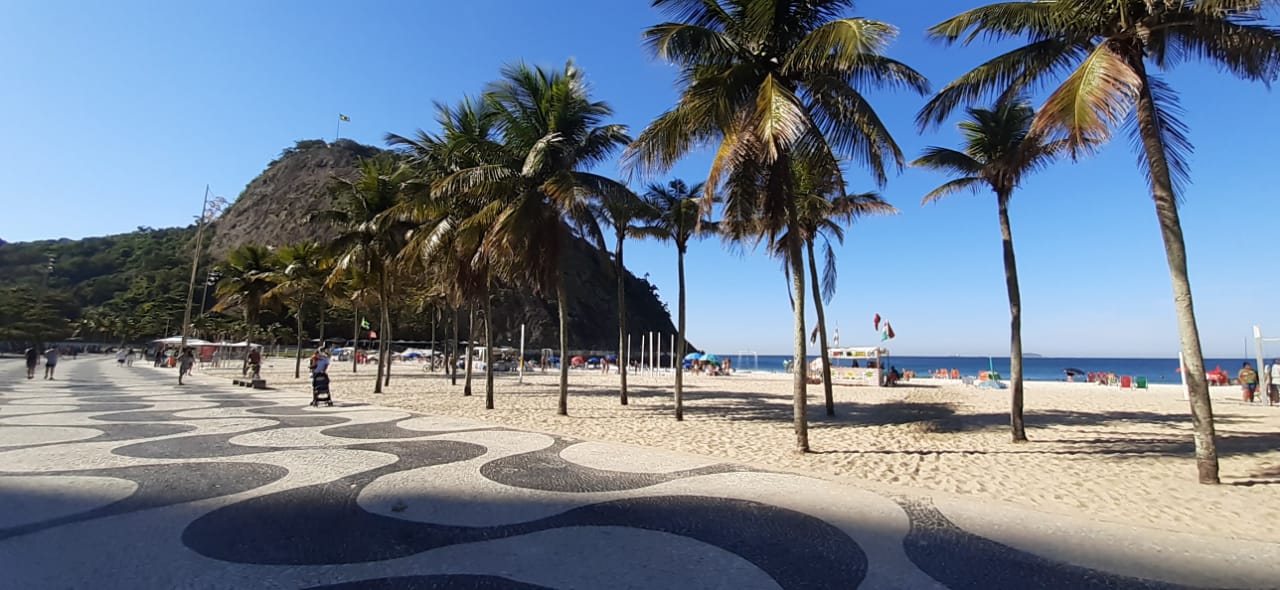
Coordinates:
column 839, row 45
column 828, row 272
column 1250, row 50
column 1034, row 18
column 947, row 160
column 1012, row 73
column 968, row 183
column 1090, row 102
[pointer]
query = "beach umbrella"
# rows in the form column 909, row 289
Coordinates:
column 693, row 356
column 577, row 360
column 593, row 360
column 711, row 358
column 611, row 358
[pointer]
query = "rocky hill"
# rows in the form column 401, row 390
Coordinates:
column 273, row 210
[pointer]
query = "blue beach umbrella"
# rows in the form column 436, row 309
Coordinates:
column 693, row 356
column 711, row 358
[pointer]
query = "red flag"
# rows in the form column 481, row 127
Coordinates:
column 876, row 322
column 889, row 328
column 373, row 334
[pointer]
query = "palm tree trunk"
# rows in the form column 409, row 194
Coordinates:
column 488, row 350
column 386, row 341
column 622, row 321
column 471, row 339
column 297, row 360
column 800, row 358
column 562, row 301
column 382, row 336
column 432, row 359
column 1176, row 253
column 355, row 337
column 1015, row 323
column 679, row 354
column 822, row 330
column 453, row 350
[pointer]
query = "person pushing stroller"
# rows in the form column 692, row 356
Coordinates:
column 320, row 379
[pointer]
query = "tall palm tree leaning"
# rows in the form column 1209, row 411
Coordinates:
column 1112, row 45
column 772, row 81
column 822, row 211
column 365, row 248
column 551, row 132
column 298, row 281
column 624, row 212
column 998, row 152
column 247, row 277
column 678, row 218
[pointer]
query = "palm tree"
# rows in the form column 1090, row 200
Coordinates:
column 998, row 152
column 300, row 281
column 1111, row 45
column 363, row 244
column 247, row 277
column 624, row 212
column 678, row 218
column 449, row 223
column 536, row 186
column 823, row 210
column 772, row 81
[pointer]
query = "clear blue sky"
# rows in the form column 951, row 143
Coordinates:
column 116, row 115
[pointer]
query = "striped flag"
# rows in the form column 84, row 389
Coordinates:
column 887, row 332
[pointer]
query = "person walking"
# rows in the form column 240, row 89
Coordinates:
column 1248, row 382
column 50, row 362
column 159, row 356
column 33, row 358
column 128, row 359
column 121, row 356
column 1273, row 390
column 185, row 362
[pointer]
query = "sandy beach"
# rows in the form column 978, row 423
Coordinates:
column 1096, row 452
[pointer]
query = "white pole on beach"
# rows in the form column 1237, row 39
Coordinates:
column 658, row 357
column 1257, row 351
column 642, row 349
column 1182, row 370
column 653, row 348
column 521, row 353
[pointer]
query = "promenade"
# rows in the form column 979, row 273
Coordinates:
column 117, row 477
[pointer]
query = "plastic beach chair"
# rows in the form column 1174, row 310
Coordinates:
column 1141, row 382
column 1126, row 382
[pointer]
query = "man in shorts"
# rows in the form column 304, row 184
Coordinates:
column 50, row 361
column 1273, row 392
column 1248, row 382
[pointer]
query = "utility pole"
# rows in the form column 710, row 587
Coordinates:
column 207, row 211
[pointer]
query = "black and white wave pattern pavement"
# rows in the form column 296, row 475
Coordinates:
column 118, row 478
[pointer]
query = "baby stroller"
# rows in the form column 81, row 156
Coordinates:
column 320, row 390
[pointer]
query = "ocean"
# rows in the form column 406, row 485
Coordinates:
column 1033, row 368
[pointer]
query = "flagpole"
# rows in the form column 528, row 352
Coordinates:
column 337, row 131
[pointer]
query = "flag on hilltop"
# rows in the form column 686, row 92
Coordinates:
column 887, row 332
column 344, row 118
column 876, row 322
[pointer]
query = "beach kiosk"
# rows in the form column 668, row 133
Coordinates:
column 862, row 365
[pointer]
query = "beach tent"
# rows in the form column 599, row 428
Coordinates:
column 178, row 340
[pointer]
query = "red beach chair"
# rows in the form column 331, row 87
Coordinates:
column 1126, row 382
